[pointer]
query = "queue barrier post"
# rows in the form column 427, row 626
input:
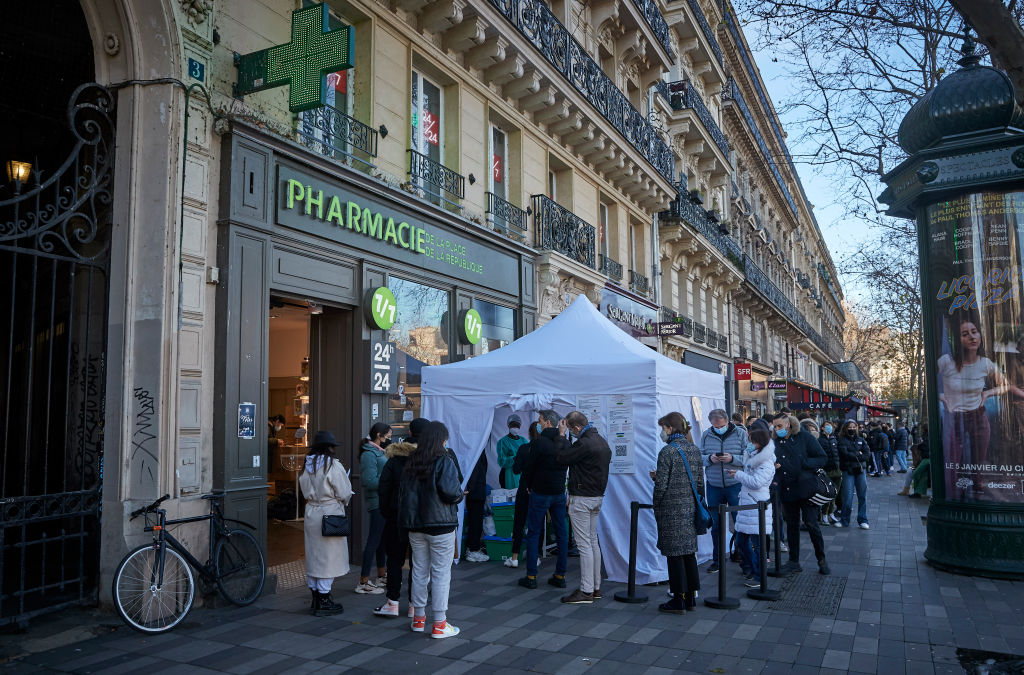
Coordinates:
column 779, row 571
column 763, row 593
column 723, row 601
column 630, row 595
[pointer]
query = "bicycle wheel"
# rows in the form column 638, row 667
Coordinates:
column 238, row 564
column 144, row 604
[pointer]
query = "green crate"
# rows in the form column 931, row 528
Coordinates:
column 499, row 548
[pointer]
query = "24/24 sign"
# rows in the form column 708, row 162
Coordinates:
column 383, row 367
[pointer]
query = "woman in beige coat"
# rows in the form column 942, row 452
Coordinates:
column 327, row 490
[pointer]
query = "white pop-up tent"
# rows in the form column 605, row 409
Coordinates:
column 579, row 356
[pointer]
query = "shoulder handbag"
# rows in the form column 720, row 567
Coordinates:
column 824, row 489
column 333, row 525
column 701, row 515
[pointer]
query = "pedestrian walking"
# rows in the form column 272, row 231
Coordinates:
column 326, row 487
column 854, row 455
column 546, row 478
column 396, row 538
column 722, row 448
column 588, row 459
column 430, row 491
column 798, row 456
column 830, row 445
column 371, row 463
column 755, row 478
column 675, row 508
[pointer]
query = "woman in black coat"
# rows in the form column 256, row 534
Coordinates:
column 854, row 455
column 798, row 456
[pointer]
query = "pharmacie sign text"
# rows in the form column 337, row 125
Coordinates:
column 356, row 219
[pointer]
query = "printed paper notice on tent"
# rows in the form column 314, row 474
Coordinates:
column 593, row 406
column 620, row 432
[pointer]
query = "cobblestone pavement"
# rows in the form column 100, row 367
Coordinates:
column 894, row 614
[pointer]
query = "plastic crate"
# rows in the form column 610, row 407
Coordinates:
column 499, row 548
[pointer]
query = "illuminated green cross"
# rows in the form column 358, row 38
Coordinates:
column 313, row 52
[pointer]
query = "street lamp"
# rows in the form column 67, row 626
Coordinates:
column 964, row 184
column 18, row 173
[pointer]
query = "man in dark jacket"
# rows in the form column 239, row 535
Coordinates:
column 854, row 455
column 901, row 444
column 588, row 460
column 476, row 495
column 879, row 442
column 798, row 456
column 546, row 478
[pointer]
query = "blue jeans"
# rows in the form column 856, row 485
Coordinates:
column 539, row 505
column 749, row 546
column 720, row 495
column 861, row 484
column 901, row 459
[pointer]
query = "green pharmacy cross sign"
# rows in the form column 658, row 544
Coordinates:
column 302, row 64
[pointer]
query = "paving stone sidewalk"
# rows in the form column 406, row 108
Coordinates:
column 895, row 614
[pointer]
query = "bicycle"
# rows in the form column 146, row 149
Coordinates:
column 154, row 586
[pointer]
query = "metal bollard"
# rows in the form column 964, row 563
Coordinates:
column 763, row 593
column 722, row 601
column 777, row 518
column 630, row 595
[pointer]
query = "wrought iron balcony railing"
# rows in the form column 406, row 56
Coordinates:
column 538, row 25
column 723, row 343
column 700, row 332
column 712, row 338
column 505, row 217
column 559, row 229
column 332, row 133
column 705, row 28
column 611, row 268
column 639, row 284
column 803, row 279
column 683, row 96
column 743, row 352
column 682, row 208
column 435, row 178
column 661, row 87
column 754, row 356
column 652, row 15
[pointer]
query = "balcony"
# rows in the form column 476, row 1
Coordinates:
column 435, row 179
column 754, row 356
column 700, row 332
column 723, row 343
column 332, row 133
column 743, row 352
column 560, row 230
column 610, row 268
column 683, row 96
column 652, row 15
column 712, row 338
column 682, row 208
column 639, row 284
column 506, row 218
column 535, row 22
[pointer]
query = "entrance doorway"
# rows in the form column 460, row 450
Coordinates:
column 309, row 387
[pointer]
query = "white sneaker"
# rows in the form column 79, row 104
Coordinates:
column 381, row 582
column 388, row 609
column 832, row 519
column 824, row 522
column 477, row 556
column 446, row 631
column 369, row 589
column 510, row 562
column 864, row 526
column 784, row 547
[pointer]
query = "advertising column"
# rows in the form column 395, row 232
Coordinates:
column 978, row 341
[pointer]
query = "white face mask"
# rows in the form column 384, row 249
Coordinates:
column 664, row 436
column 513, row 432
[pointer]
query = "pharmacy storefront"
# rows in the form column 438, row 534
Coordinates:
column 335, row 291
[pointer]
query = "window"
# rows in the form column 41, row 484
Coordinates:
column 499, row 325
column 552, row 186
column 421, row 335
column 427, row 125
column 497, row 181
column 602, row 228
column 632, row 247
column 317, row 127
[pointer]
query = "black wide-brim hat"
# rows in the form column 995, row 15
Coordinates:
column 324, row 439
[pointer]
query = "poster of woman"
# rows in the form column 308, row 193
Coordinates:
column 978, row 336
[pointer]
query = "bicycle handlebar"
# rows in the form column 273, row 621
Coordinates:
column 148, row 509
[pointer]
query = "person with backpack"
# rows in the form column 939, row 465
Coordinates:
column 429, row 494
column 830, row 444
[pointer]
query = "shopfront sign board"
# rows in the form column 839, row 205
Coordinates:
column 247, row 420
column 776, row 384
column 470, row 326
column 381, row 308
column 669, row 328
column 741, row 371
column 383, row 367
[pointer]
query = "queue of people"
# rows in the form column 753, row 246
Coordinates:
column 412, row 490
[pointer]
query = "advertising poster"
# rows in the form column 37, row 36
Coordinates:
column 620, row 433
column 974, row 246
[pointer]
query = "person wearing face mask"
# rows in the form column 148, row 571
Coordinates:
column 371, row 463
column 756, row 478
column 722, row 447
column 830, row 444
column 798, row 456
column 508, row 447
column 546, row 477
column 854, row 455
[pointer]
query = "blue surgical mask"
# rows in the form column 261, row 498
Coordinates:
column 828, row 428
column 751, row 447
column 721, row 430
column 782, row 433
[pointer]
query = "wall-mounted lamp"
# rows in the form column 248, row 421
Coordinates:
column 472, row 179
column 18, row 172
column 383, row 130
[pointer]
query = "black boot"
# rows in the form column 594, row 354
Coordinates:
column 690, row 601
column 325, row 606
column 312, row 600
column 673, row 606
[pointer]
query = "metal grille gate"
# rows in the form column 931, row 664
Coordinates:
column 54, row 260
